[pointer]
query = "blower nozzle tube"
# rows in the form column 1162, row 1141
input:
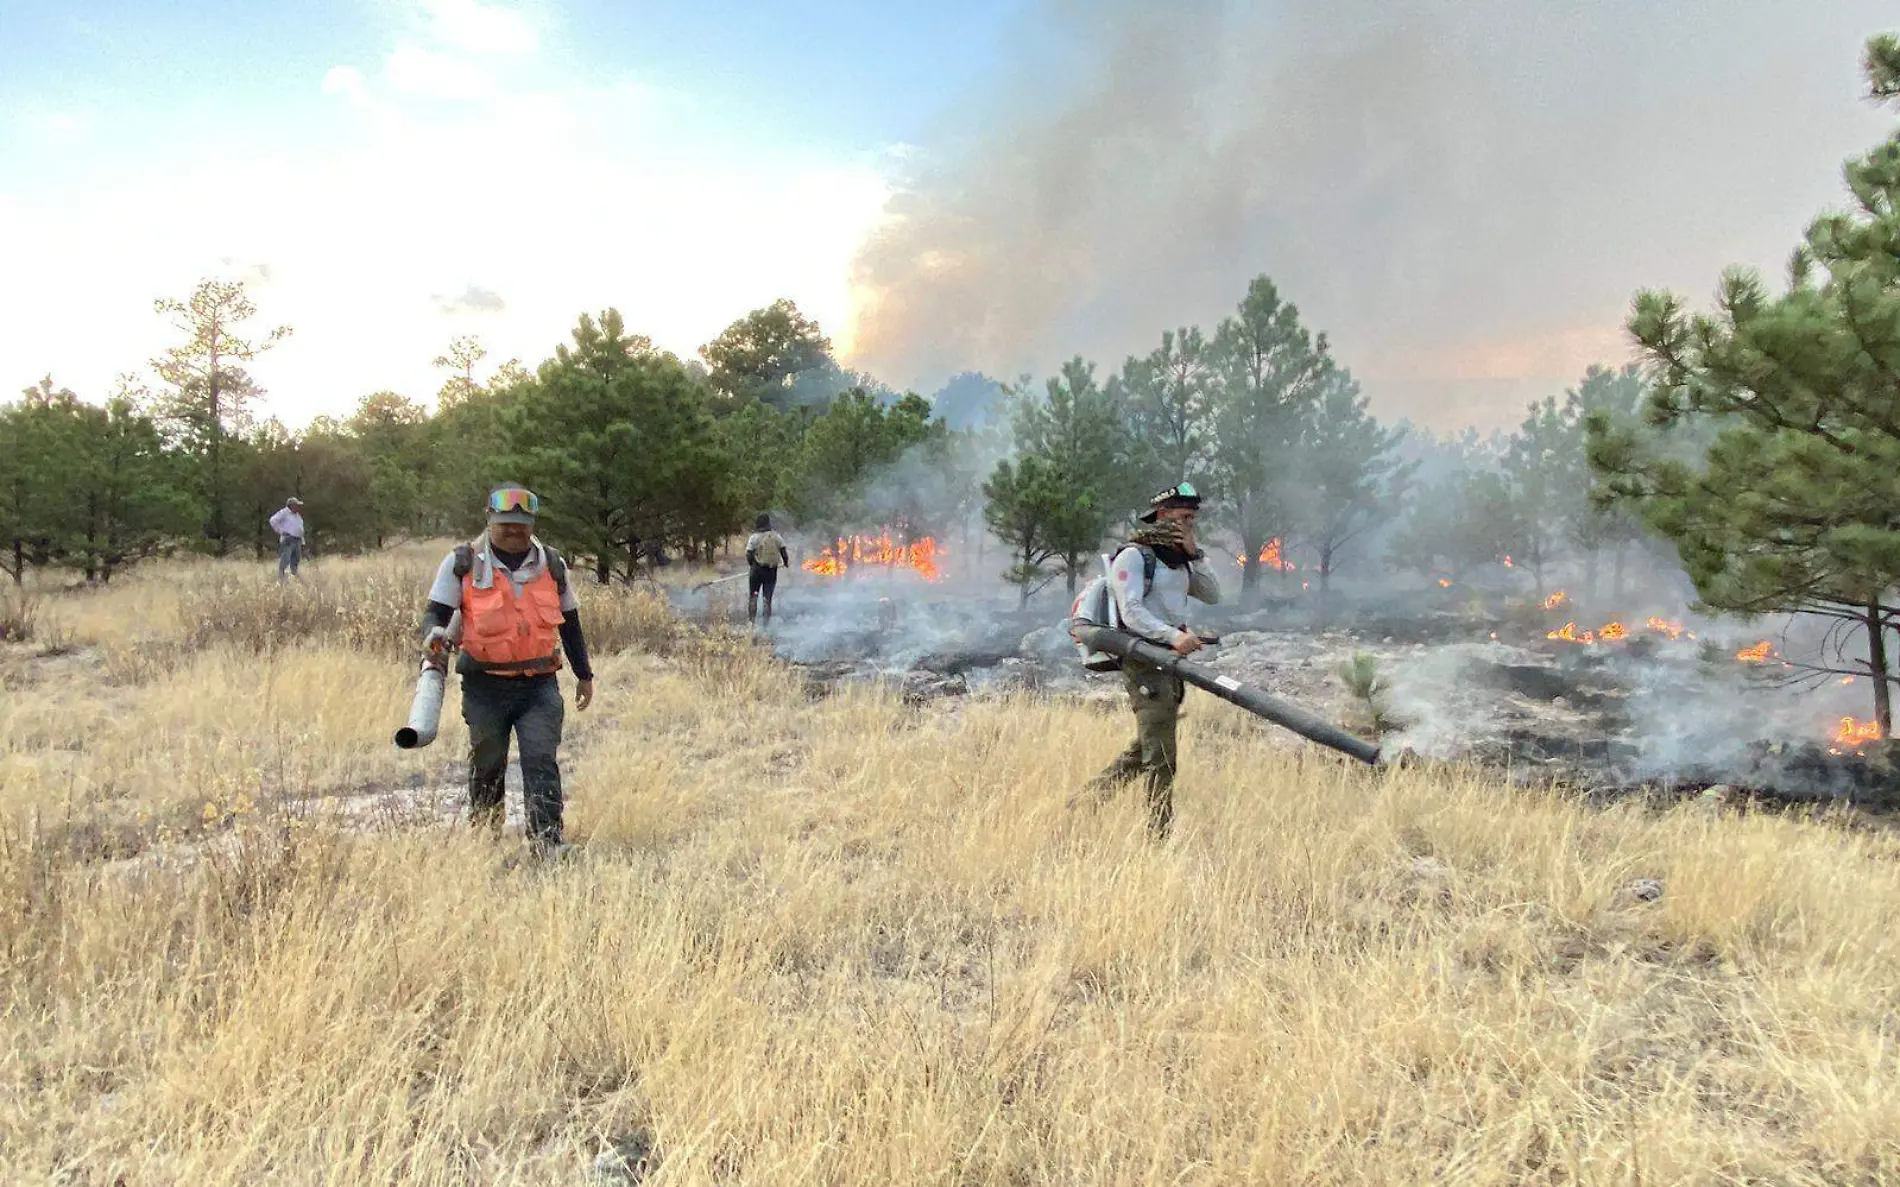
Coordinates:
column 1279, row 712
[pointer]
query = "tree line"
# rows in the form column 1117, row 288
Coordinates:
column 638, row 454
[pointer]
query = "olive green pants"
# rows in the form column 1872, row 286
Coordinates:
column 1155, row 696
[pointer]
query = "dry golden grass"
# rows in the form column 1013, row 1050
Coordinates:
column 849, row 941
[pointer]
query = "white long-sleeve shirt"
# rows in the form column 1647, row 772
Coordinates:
column 287, row 523
column 1160, row 616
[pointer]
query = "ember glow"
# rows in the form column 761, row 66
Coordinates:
column 1444, row 583
column 887, row 550
column 1555, row 600
column 1758, row 654
column 1852, row 734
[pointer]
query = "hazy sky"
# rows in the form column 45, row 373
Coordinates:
column 1465, row 196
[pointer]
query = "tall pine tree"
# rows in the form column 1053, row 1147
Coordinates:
column 1795, row 506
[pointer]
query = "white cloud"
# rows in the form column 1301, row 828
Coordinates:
column 482, row 28
column 56, row 127
column 344, row 80
column 416, row 70
column 562, row 199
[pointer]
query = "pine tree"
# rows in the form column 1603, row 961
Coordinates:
column 1167, row 395
column 1350, row 478
column 1792, row 507
column 1267, row 365
column 1544, row 465
column 616, row 439
column 1616, row 398
column 211, row 392
column 1027, row 505
column 1081, row 431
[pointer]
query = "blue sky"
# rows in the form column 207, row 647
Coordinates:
column 844, row 74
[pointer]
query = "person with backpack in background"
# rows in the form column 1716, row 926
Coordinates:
column 1151, row 579
column 519, row 615
column 765, row 555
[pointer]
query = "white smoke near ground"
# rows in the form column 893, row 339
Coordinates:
column 1464, row 195
column 1664, row 710
column 959, row 617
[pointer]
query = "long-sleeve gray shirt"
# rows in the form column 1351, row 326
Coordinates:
column 1161, row 616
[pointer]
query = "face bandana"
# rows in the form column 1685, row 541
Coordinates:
column 1168, row 541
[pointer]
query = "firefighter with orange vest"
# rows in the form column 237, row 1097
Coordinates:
column 518, row 617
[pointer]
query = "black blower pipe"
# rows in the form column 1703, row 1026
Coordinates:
column 1279, row 712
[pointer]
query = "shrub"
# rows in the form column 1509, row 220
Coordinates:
column 19, row 613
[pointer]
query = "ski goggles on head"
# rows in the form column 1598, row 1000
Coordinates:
column 515, row 500
column 1180, row 495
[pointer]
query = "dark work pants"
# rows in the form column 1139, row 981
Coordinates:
column 530, row 707
column 763, row 579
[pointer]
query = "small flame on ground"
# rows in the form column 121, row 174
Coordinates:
column 1444, row 583
column 1555, row 600
column 884, row 549
column 1853, row 734
column 1568, row 634
column 1508, row 563
column 1758, row 654
column 1613, row 632
column 1847, row 679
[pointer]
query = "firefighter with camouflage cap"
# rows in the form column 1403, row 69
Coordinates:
column 1151, row 579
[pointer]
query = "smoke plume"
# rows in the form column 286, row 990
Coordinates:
column 1464, row 195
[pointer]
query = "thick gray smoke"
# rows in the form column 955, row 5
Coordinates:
column 1465, row 194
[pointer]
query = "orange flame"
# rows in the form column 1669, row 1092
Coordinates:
column 1568, row 634
column 1444, row 583
column 1613, row 632
column 1508, row 564
column 884, row 549
column 1758, row 654
column 1272, row 556
column 1555, row 600
column 1854, row 734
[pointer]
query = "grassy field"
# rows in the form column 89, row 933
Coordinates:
column 845, row 940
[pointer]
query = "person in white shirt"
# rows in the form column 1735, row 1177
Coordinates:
column 765, row 555
column 1151, row 578
column 288, row 524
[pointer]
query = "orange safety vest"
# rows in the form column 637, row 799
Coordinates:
column 508, row 635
